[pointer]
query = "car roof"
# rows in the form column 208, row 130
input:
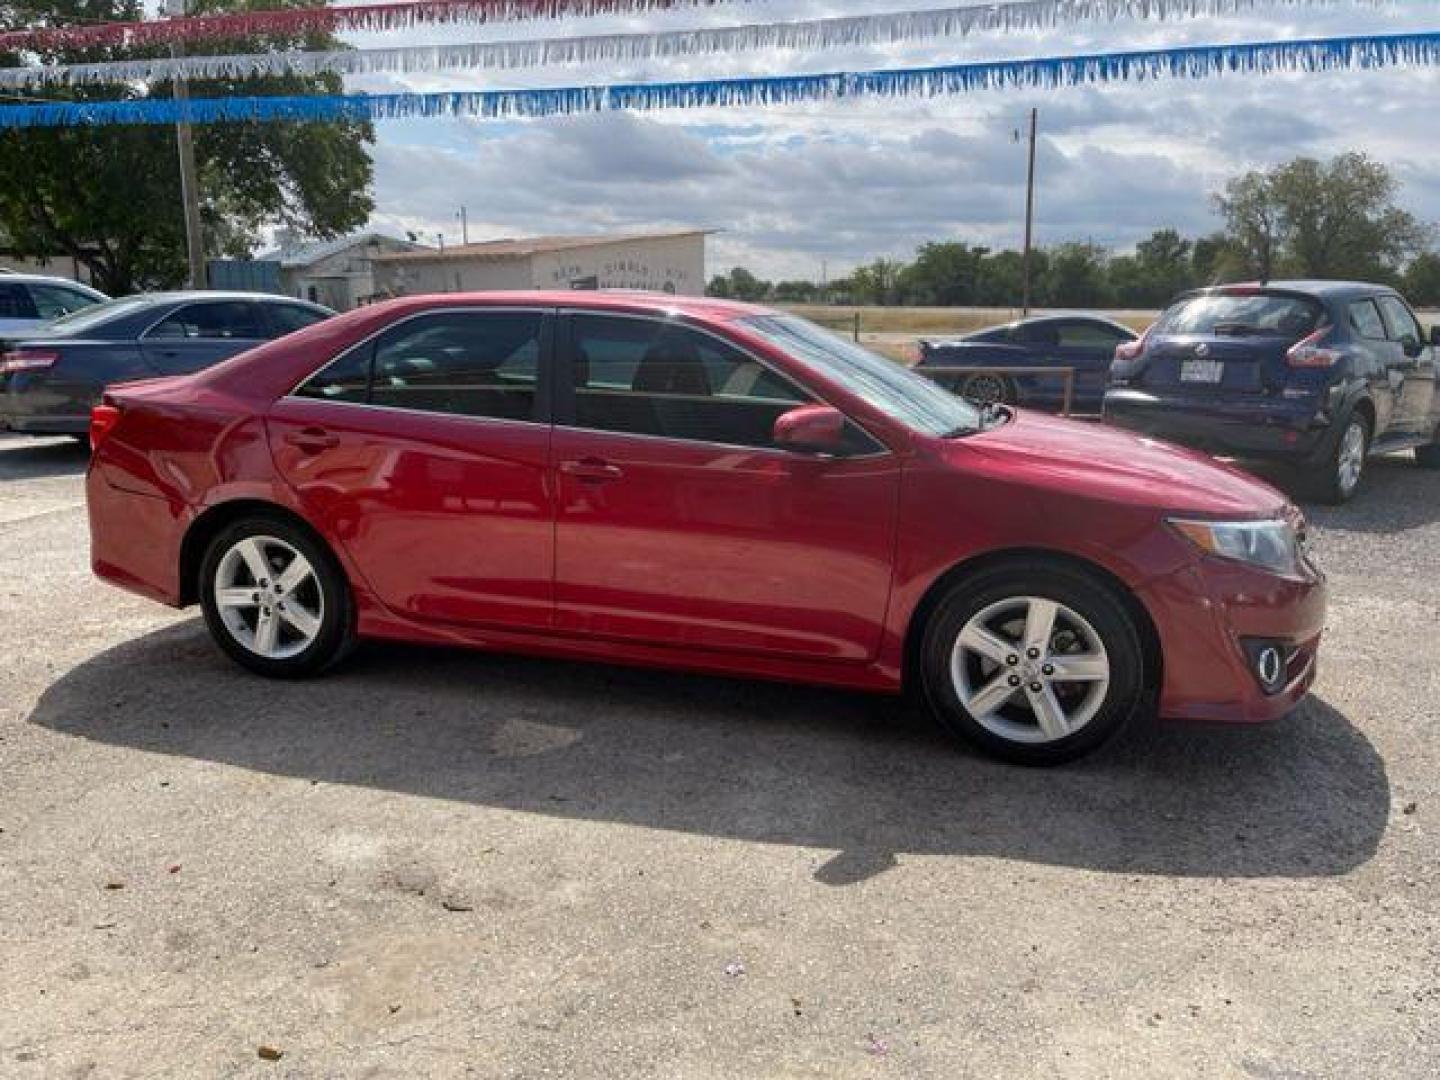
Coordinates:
column 178, row 295
column 46, row 279
column 622, row 300
column 1317, row 287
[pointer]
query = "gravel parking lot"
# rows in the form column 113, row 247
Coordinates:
column 439, row 863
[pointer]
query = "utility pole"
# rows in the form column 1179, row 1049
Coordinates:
column 464, row 227
column 189, row 187
column 1029, row 218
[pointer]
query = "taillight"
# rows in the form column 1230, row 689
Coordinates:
column 1308, row 353
column 26, row 360
column 103, row 419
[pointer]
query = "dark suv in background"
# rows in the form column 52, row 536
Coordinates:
column 1318, row 374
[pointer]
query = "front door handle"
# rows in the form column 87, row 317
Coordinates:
column 312, row 440
column 592, row 469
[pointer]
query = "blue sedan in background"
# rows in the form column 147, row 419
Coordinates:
column 1086, row 343
column 49, row 378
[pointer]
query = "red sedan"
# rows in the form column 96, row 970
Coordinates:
column 706, row 485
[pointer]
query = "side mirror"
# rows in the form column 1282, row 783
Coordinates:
column 816, row 428
column 1412, row 347
column 1435, row 335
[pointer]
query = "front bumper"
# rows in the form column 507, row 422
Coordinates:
column 1207, row 613
column 1251, row 427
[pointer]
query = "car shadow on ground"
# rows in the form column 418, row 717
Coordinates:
column 24, row 458
column 863, row 776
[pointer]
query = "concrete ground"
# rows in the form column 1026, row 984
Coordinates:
column 442, row 864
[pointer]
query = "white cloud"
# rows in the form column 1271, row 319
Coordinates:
column 794, row 186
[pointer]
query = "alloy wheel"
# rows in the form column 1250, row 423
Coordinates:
column 1350, row 461
column 985, row 390
column 269, row 597
column 1030, row 669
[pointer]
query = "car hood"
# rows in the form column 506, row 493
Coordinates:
column 1091, row 460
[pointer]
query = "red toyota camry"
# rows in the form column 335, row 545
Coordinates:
column 706, row 485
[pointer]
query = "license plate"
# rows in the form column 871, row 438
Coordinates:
column 1206, row 371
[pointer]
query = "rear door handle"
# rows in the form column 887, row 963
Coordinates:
column 592, row 469
column 312, row 440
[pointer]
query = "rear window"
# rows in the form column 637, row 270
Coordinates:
column 1243, row 315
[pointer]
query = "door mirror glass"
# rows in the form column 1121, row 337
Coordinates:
column 1411, row 345
column 816, row 428
column 1435, row 335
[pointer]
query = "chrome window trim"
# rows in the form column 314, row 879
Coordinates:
column 417, row 412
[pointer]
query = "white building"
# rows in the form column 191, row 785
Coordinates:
column 337, row 273
column 659, row 262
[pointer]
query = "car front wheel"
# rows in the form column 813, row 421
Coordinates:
column 274, row 599
column 1033, row 663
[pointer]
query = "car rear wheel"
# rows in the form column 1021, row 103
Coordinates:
column 987, row 389
column 274, row 599
column 1428, row 457
column 1033, row 663
column 1339, row 477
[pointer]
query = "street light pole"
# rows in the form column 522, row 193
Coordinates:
column 189, row 186
column 1029, row 218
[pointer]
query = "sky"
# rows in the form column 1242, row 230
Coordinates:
column 801, row 191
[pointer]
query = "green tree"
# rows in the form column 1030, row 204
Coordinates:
column 1215, row 260
column 945, row 274
column 1252, row 222
column 1076, row 276
column 739, row 284
column 1422, row 280
column 1335, row 219
column 110, row 196
column 795, row 292
column 877, row 282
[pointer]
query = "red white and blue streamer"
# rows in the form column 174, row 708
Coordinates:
column 809, row 35
column 294, row 22
column 1362, row 52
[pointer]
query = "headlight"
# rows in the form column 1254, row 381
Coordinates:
column 1270, row 545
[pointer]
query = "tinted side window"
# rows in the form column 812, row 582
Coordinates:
column 466, row 363
column 1088, row 335
column 344, row 379
column 1365, row 318
column 15, row 302
column 1402, row 324
column 53, row 301
column 1038, row 334
column 228, row 320
column 648, row 377
column 287, row 318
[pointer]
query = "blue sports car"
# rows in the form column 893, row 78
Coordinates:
column 1085, row 343
column 51, row 376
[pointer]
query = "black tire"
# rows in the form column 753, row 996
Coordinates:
column 983, row 388
column 330, row 593
column 1428, row 457
column 1329, row 483
column 1085, row 595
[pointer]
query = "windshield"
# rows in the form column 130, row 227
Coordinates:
column 898, row 392
column 1241, row 314
column 88, row 317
